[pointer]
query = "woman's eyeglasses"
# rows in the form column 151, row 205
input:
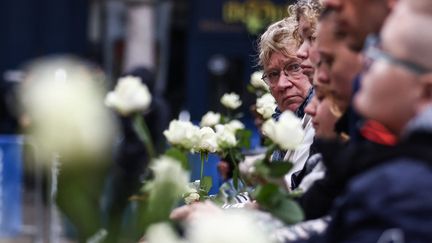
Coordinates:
column 290, row 69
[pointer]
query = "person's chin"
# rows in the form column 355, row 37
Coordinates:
column 292, row 107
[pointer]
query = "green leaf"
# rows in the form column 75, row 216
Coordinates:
column 235, row 155
column 223, row 119
column 261, row 169
column 288, row 211
column 179, row 155
column 235, row 178
column 268, row 195
column 206, row 183
column 250, row 88
column 244, row 136
column 140, row 127
column 279, row 169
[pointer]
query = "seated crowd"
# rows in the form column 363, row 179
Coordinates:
column 358, row 73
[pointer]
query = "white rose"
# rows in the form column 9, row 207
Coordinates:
column 227, row 224
column 248, row 165
column 207, row 140
column 287, row 133
column 162, row 232
column 234, row 125
column 231, row 101
column 210, row 119
column 62, row 98
column 225, row 137
column 192, row 197
column 167, row 170
column 257, row 82
column 129, row 95
column 182, row 133
column 266, row 105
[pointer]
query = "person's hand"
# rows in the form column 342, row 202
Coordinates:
column 194, row 211
column 180, row 213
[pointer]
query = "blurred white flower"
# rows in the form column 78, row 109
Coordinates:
column 266, row 105
column 234, row 125
column 162, row 232
column 130, row 95
column 183, row 134
column 193, row 196
column 257, row 82
column 169, row 171
column 248, row 165
column 63, row 100
column 207, row 141
column 287, row 133
column 225, row 136
column 227, row 227
column 231, row 101
column 210, row 119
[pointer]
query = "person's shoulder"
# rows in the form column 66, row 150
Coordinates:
column 399, row 175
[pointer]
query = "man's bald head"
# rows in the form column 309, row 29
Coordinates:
column 419, row 6
column 406, row 35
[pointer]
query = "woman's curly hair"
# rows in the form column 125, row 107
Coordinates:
column 310, row 10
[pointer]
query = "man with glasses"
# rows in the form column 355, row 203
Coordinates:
column 288, row 84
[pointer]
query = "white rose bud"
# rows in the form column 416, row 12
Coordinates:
column 182, row 133
column 234, row 125
column 225, row 137
column 247, row 166
column 129, row 95
column 266, row 105
column 287, row 133
column 257, row 82
column 207, row 141
column 192, row 197
column 231, row 101
column 210, row 119
column 168, row 170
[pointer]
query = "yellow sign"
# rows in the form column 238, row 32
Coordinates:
column 254, row 14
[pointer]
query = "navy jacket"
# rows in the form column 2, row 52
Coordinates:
column 387, row 197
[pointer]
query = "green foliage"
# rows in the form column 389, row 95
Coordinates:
column 179, row 155
column 243, row 137
column 279, row 169
column 279, row 203
column 155, row 206
column 204, row 187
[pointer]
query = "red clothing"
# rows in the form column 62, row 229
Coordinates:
column 377, row 133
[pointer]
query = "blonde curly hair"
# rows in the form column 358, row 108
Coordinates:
column 277, row 38
column 310, row 10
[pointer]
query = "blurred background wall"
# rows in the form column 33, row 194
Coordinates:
column 197, row 49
